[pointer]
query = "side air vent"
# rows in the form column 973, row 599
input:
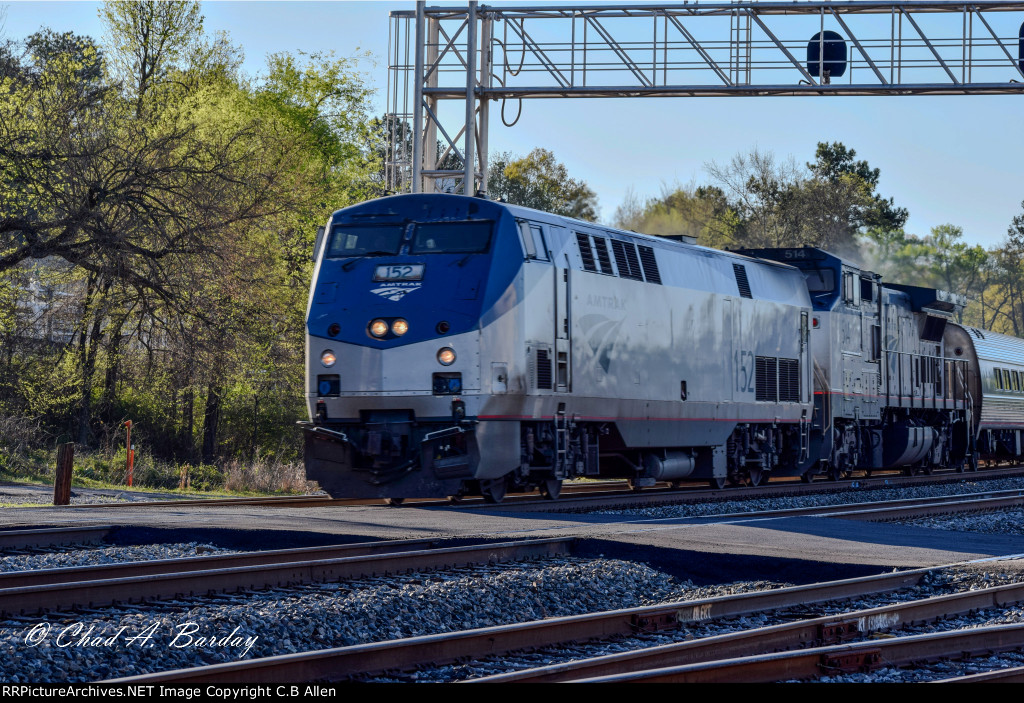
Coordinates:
column 586, row 252
column 741, row 280
column 543, row 370
column 626, row 259
column 602, row 255
column 789, row 381
column 650, row 264
column 766, row 379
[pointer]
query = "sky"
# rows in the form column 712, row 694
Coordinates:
column 947, row 159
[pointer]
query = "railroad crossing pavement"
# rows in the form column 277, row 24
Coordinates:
column 796, row 549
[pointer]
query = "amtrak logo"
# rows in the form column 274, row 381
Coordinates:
column 601, row 334
column 395, row 291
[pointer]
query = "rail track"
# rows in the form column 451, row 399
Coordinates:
column 747, row 655
column 16, row 540
column 25, row 593
column 63, row 590
column 585, row 496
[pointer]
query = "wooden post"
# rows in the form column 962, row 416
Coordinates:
column 129, row 451
column 62, row 481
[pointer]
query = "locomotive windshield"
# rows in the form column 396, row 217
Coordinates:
column 451, row 237
column 820, row 280
column 365, row 240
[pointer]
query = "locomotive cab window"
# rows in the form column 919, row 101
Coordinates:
column 527, row 238
column 867, row 289
column 539, row 242
column 851, row 288
column 451, row 238
column 820, row 280
column 365, row 240
column 533, row 240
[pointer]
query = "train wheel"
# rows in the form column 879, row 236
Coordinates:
column 395, row 502
column 717, row 482
column 806, row 477
column 454, row 499
column 757, row 477
column 551, row 489
column 494, row 489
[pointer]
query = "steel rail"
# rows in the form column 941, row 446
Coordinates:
column 164, row 586
column 315, row 501
column 823, row 661
column 700, row 493
column 876, row 510
column 931, row 506
column 342, row 662
column 53, row 536
column 102, row 572
column 1014, row 675
column 813, row 632
column 604, row 496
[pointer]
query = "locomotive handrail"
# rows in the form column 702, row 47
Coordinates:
column 441, row 434
column 944, row 380
column 317, row 429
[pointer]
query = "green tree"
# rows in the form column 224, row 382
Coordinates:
column 148, row 39
column 1003, row 297
column 834, row 164
column 699, row 212
column 541, row 182
column 940, row 260
column 178, row 200
column 830, row 203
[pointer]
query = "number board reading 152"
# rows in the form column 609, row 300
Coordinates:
column 399, row 272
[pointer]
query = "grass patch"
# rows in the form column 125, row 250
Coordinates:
column 102, row 471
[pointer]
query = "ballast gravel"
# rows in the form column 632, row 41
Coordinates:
column 121, row 642
column 95, row 556
column 1007, row 521
column 935, row 583
column 845, row 494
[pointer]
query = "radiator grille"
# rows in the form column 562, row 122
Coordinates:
column 789, row 381
column 766, row 382
column 741, row 280
column 602, row 255
column 650, row 264
column 626, row 259
column 586, row 252
column 543, row 369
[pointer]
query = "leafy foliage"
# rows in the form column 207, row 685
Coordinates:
column 169, row 203
column 539, row 181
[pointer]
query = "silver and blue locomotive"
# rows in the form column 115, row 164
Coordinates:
column 458, row 345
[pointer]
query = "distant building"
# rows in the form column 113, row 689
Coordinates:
column 49, row 303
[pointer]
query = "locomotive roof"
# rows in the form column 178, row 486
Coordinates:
column 573, row 223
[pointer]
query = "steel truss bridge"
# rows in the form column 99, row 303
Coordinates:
column 448, row 66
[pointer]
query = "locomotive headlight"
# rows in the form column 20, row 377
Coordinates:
column 328, row 358
column 378, row 328
column 446, row 356
column 399, row 327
